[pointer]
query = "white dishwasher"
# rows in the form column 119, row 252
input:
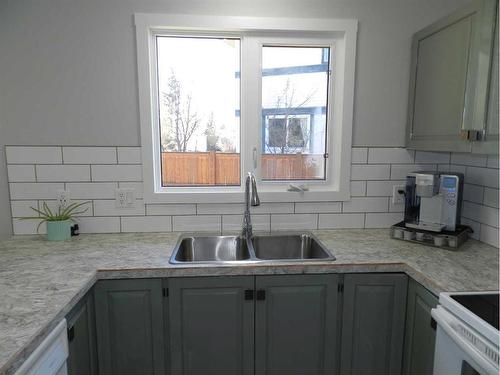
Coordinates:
column 50, row 356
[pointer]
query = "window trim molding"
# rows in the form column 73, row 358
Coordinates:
column 343, row 31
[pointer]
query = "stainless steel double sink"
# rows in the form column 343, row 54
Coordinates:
column 280, row 247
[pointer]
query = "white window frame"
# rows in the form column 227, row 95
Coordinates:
column 338, row 34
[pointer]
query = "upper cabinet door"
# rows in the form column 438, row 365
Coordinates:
column 489, row 140
column 449, row 79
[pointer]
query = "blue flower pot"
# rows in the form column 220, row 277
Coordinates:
column 59, row 230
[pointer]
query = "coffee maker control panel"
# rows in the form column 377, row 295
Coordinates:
column 449, row 189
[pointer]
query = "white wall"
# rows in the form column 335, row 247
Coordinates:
column 5, row 220
column 68, row 68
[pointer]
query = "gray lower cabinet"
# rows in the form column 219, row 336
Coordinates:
column 211, row 325
column 82, row 359
column 296, row 325
column 420, row 334
column 130, row 332
column 373, row 324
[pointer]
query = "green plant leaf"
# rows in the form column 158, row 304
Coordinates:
column 47, row 210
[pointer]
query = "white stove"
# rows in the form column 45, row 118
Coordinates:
column 467, row 339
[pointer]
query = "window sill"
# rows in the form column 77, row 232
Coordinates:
column 239, row 196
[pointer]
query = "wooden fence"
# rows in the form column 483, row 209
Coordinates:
column 216, row 168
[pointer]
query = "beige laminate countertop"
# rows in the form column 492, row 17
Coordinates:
column 41, row 281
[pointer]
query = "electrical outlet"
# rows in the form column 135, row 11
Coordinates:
column 398, row 198
column 62, row 198
column 125, row 198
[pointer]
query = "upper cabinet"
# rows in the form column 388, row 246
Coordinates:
column 453, row 99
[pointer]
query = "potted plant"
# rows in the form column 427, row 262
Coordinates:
column 58, row 222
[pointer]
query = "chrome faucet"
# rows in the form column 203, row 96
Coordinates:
column 253, row 200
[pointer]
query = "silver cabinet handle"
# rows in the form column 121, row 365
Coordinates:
column 254, row 151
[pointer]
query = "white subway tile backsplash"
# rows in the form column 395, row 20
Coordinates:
column 23, row 208
column 93, row 173
column 220, row 208
column 146, row 224
column 124, row 172
column 171, row 209
column 382, row 220
column 489, row 235
column 358, row 188
column 137, row 186
column 108, row 208
column 366, row 204
column 472, row 160
column 27, row 190
column 62, row 173
column 129, row 155
column 483, row 214
column 359, row 155
column 473, row 193
column 89, row 155
column 382, row 188
column 92, row 190
column 454, row 168
column 427, row 157
column 491, row 197
column 400, row 171
column 492, row 161
column 203, row 223
column 482, row 176
column 33, row 155
column 20, row 226
column 390, row 155
column 294, row 222
column 335, row 221
column 21, row 173
column 317, row 207
column 370, row 172
column 99, row 224
column 273, row 208
column 234, row 223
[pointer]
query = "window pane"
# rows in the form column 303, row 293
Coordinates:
column 294, row 102
column 199, row 105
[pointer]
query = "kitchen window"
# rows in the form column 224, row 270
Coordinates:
column 198, row 100
column 221, row 97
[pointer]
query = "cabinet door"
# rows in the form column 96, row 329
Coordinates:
column 129, row 320
column 211, row 325
column 449, row 75
column 296, row 325
column 489, row 143
column 82, row 359
column 420, row 336
column 373, row 319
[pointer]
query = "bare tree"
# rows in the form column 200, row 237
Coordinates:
column 181, row 120
column 281, row 139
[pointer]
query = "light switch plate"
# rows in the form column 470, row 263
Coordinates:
column 398, row 198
